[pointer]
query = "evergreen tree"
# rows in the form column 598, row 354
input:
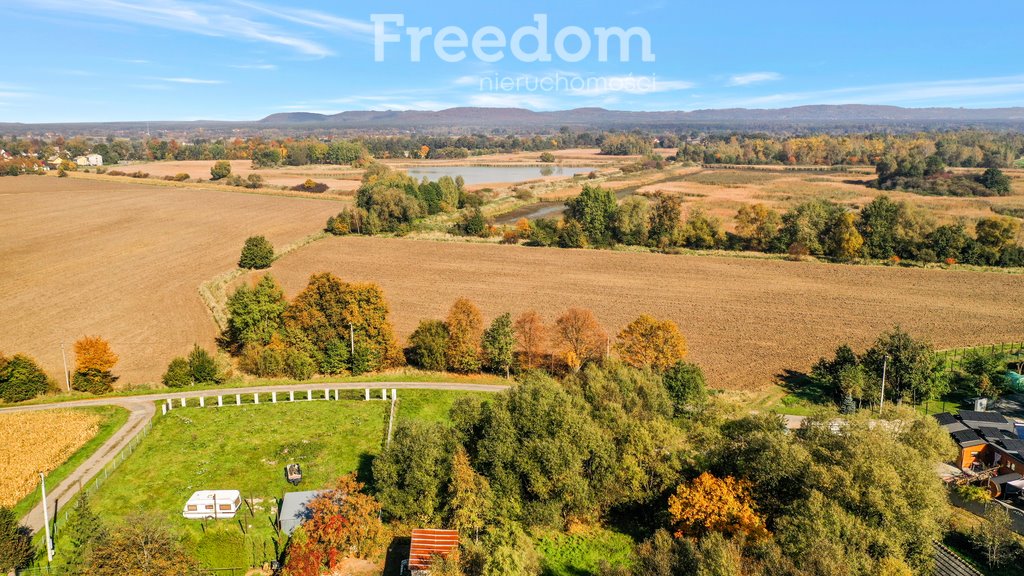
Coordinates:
column 203, row 367
column 16, row 549
column 257, row 253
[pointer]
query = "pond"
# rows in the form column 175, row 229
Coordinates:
column 495, row 174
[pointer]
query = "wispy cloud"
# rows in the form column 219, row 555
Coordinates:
column 231, row 20
column 903, row 93
column 753, row 78
column 186, row 80
column 315, row 19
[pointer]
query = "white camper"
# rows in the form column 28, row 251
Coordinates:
column 215, row 504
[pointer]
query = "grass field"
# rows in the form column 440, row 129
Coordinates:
column 54, row 441
column 584, row 553
column 747, row 320
column 124, row 261
column 245, row 448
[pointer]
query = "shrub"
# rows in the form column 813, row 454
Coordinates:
column 427, row 346
column 178, row 374
column 221, row 169
column 21, row 379
column 139, row 174
column 117, row 173
column 257, row 254
column 62, row 174
column 93, row 381
column 523, row 194
column 203, row 367
column 179, row 177
column 311, row 185
column 254, row 181
column 547, row 157
column 471, row 223
column 298, row 364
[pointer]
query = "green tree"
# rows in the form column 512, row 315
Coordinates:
column 298, row 364
column 141, row 546
column 982, row 373
column 595, row 210
column 221, row 169
column 499, row 342
column 686, row 386
column 428, row 346
column 632, row 221
column 21, row 379
column 996, row 233
column 995, row 180
column 702, row 231
column 84, row 529
column 469, row 497
column 995, row 536
column 257, row 253
column 256, row 314
column 203, row 367
column 843, row 241
column 758, row 225
column 913, row 371
column 879, row 225
column 16, row 550
column 411, row 474
column 666, row 221
column 178, row 374
column 807, row 224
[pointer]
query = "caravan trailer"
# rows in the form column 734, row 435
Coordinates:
column 212, row 504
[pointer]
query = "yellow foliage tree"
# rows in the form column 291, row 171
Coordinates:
column 465, row 329
column 709, row 504
column 580, row 337
column 94, row 353
column 532, row 337
column 648, row 341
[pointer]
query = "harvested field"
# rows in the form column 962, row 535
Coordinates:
column 33, row 442
column 124, row 261
column 340, row 179
column 747, row 320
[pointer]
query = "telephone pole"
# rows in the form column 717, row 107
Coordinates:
column 46, row 520
column 67, row 378
column 881, row 400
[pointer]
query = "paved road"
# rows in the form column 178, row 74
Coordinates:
column 142, row 408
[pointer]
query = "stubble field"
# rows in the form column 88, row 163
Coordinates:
column 747, row 320
column 124, row 261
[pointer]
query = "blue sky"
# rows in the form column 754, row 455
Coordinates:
column 99, row 60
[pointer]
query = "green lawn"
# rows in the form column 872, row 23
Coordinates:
column 112, row 418
column 245, row 448
column 579, row 554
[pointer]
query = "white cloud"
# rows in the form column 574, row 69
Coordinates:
column 207, row 19
column 753, row 78
column 516, row 100
column 315, row 19
column 185, row 80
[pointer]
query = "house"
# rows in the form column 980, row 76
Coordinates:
column 89, row 160
column 989, row 444
column 5, row 155
column 947, row 563
column 426, row 546
column 212, row 504
column 294, row 510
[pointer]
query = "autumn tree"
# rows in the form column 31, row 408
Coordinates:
column 141, row 546
column 532, row 338
column 465, row 330
column 256, row 314
column 221, row 169
column 469, row 496
column 708, row 504
column 648, row 342
column 580, row 337
column 843, row 241
column 94, row 360
column 758, row 225
column 499, row 341
column 330, row 310
column 344, row 522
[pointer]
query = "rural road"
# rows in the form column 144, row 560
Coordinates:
column 142, row 409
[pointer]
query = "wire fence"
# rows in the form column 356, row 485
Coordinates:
column 953, row 358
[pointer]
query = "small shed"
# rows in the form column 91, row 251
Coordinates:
column 294, row 510
column 426, row 545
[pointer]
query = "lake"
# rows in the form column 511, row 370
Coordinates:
column 495, row 174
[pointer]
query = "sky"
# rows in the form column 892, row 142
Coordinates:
column 108, row 60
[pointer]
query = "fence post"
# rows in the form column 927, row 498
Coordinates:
column 309, row 394
column 202, row 402
column 163, row 409
column 367, row 394
column 238, row 399
column 291, row 395
column 273, row 397
column 220, row 401
column 327, row 394
column 183, row 402
column 256, row 398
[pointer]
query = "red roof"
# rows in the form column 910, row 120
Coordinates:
column 428, row 544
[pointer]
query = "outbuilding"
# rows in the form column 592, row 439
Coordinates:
column 212, row 504
column 294, row 510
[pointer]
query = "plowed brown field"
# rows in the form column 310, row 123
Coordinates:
column 747, row 320
column 124, row 261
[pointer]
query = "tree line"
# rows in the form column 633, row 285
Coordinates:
column 883, row 229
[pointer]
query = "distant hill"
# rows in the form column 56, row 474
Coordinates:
column 835, row 118
column 599, row 117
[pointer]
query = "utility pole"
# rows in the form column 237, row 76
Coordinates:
column 46, row 520
column 352, row 339
column 67, row 378
column 881, row 400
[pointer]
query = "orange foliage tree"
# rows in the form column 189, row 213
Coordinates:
column 94, row 361
column 648, row 341
column 465, row 329
column 580, row 337
column 343, row 523
column 532, row 337
column 710, row 504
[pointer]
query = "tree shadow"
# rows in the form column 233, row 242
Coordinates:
column 364, row 472
column 802, row 386
column 398, row 550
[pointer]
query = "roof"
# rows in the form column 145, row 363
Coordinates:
column 427, row 543
column 1006, row 478
column 979, row 417
column 225, row 495
column 949, row 564
column 1014, row 445
column 945, row 418
column 293, row 510
column 967, row 438
column 991, row 433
